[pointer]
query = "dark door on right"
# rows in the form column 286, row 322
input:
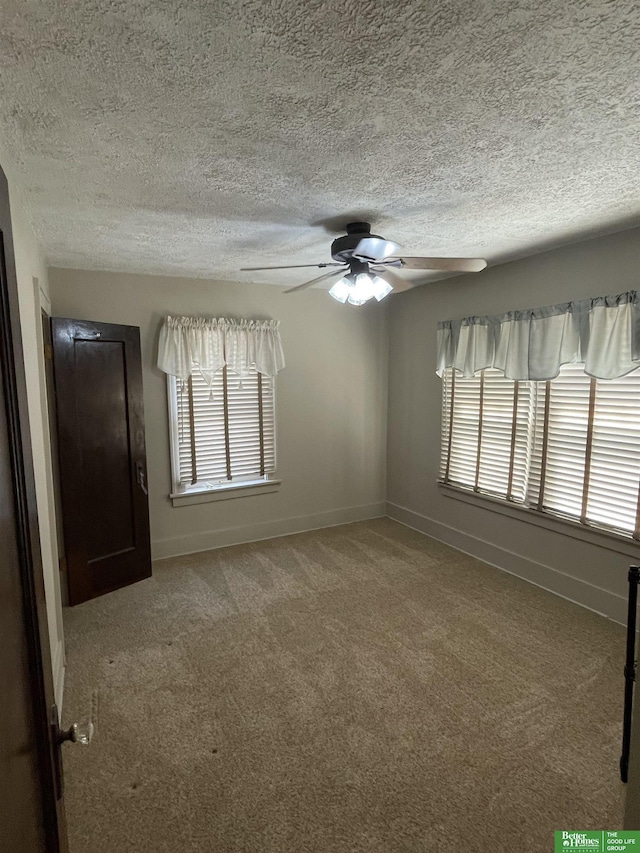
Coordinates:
column 101, row 446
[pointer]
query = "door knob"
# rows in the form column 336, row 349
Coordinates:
column 81, row 732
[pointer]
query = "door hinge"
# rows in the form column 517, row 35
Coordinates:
column 48, row 352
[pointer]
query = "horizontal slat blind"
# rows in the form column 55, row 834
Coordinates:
column 485, row 447
column 569, row 446
column 566, row 442
column 615, row 454
column 448, row 392
column 497, row 427
column 212, row 441
column 524, row 438
column 465, row 422
column 536, row 449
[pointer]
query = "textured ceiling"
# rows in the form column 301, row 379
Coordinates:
column 195, row 138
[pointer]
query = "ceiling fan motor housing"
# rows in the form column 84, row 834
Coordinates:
column 342, row 249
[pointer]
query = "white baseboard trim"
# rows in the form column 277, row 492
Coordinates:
column 594, row 598
column 161, row 549
column 58, row 664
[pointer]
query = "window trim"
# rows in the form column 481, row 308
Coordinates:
column 224, row 491
column 203, row 493
column 604, row 538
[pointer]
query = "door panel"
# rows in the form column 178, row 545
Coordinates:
column 98, row 379
column 31, row 810
column 101, row 373
column 20, row 787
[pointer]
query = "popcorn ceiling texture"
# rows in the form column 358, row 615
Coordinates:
column 196, row 138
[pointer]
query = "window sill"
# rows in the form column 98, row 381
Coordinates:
column 224, row 492
column 595, row 536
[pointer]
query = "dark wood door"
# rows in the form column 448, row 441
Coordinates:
column 31, row 807
column 101, row 447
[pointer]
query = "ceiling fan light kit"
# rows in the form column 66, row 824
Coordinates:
column 366, row 263
column 360, row 288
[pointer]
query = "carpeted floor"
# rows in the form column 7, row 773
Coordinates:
column 359, row 689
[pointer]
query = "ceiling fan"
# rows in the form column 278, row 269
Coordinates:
column 367, row 265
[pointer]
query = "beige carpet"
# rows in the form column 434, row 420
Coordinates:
column 360, row 688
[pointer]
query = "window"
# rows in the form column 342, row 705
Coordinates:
column 222, row 436
column 221, row 386
column 569, row 446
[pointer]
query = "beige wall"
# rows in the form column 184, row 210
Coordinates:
column 590, row 569
column 32, row 292
column 331, row 402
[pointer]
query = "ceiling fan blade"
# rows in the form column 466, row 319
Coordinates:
column 292, row 267
column 316, row 280
column 374, row 249
column 397, row 283
column 452, row 264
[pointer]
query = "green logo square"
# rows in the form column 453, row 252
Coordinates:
column 597, row 841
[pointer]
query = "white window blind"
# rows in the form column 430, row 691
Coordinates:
column 563, row 450
column 225, row 432
column 486, row 433
column 569, row 446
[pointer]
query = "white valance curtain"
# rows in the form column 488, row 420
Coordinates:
column 601, row 333
column 190, row 344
